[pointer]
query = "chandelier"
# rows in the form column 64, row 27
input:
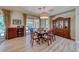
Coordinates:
column 43, row 15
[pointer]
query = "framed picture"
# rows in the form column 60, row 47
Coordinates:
column 17, row 21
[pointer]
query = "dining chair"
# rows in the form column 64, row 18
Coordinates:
column 52, row 35
column 47, row 38
column 34, row 37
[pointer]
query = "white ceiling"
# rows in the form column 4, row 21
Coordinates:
column 34, row 10
column 51, row 10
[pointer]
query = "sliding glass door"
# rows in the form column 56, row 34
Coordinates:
column 2, row 29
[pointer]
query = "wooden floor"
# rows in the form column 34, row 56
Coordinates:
column 22, row 45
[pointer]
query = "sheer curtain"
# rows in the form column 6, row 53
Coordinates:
column 7, row 20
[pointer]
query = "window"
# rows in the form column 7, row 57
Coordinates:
column 45, row 23
column 32, row 22
column 2, row 27
column 36, row 23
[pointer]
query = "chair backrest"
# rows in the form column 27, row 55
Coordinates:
column 33, row 34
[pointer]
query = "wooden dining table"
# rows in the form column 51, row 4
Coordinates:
column 44, row 37
column 41, row 34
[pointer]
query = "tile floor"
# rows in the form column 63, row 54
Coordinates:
column 22, row 44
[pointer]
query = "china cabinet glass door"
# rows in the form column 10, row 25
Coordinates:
column 61, row 24
column 66, row 22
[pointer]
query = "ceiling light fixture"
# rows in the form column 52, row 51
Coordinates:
column 43, row 15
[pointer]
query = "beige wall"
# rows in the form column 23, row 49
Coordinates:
column 1, row 13
column 70, row 14
column 77, row 28
column 16, row 15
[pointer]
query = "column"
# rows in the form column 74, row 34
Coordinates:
column 24, row 21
